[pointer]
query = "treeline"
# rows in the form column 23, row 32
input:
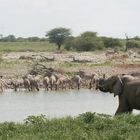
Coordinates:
column 132, row 43
column 12, row 38
column 87, row 41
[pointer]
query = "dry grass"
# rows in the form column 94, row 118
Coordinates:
column 10, row 63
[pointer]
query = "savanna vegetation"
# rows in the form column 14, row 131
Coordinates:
column 87, row 126
column 62, row 38
column 25, row 46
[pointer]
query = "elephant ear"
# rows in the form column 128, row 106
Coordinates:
column 117, row 88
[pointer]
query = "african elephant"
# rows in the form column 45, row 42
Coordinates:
column 127, row 88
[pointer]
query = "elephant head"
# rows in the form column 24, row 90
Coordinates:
column 120, row 82
column 113, row 84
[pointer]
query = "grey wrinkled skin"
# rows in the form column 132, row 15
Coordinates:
column 127, row 88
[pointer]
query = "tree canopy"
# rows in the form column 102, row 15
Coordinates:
column 58, row 36
column 111, row 42
column 87, row 41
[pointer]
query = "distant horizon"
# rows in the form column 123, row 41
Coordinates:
column 71, row 34
column 111, row 18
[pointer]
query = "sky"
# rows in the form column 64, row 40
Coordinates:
column 112, row 18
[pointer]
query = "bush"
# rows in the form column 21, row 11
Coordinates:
column 87, row 117
column 88, row 44
column 111, row 42
column 84, row 44
column 88, row 126
column 133, row 44
column 69, row 43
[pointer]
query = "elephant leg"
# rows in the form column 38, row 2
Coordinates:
column 118, row 111
column 121, row 110
column 138, row 91
column 130, row 111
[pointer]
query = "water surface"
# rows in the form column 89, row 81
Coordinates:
column 16, row 106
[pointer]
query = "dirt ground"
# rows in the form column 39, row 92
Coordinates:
column 94, row 62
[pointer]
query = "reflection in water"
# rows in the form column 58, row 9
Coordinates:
column 17, row 106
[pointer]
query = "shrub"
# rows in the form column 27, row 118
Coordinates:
column 133, row 44
column 84, row 44
column 111, row 42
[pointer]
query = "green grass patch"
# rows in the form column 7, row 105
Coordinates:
column 106, row 63
column 81, row 65
column 13, row 64
column 26, row 46
column 88, row 126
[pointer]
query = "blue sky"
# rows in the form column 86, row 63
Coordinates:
column 34, row 17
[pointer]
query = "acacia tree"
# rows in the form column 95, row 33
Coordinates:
column 58, row 36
